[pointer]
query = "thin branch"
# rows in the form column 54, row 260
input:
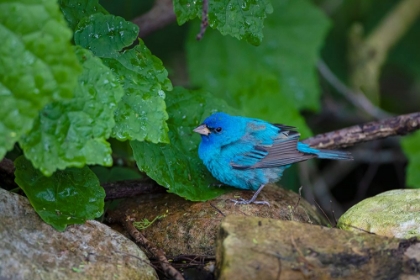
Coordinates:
column 204, row 20
column 399, row 125
column 160, row 15
column 171, row 272
column 358, row 99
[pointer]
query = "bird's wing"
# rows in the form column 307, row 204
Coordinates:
column 282, row 151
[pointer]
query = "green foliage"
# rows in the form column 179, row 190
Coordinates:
column 141, row 114
column 240, row 72
column 75, row 10
column 105, row 35
column 67, row 197
column 243, row 19
column 63, row 119
column 37, row 64
column 74, row 132
column 176, row 166
column 410, row 145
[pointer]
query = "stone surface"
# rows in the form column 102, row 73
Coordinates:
column 260, row 248
column 191, row 227
column 31, row 249
column 393, row 213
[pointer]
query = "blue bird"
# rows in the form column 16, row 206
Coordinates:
column 248, row 153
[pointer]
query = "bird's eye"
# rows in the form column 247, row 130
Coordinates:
column 218, row 129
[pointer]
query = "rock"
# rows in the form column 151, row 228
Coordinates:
column 191, row 227
column 31, row 249
column 393, row 213
column 261, row 248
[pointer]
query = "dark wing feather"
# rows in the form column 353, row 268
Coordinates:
column 285, row 127
column 283, row 151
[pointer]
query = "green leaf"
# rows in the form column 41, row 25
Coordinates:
column 290, row 50
column 37, row 64
column 242, row 19
column 74, row 132
column 411, row 148
column 105, row 35
column 67, row 197
column 141, row 114
column 176, row 166
column 75, row 10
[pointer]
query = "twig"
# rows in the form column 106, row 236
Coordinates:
column 366, row 180
column 160, row 15
column 366, row 56
column 358, row 99
column 323, row 212
column 300, row 196
column 204, row 20
column 217, row 209
column 399, row 125
column 158, row 253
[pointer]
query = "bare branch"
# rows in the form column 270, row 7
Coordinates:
column 204, row 20
column 358, row 99
column 160, row 15
column 345, row 137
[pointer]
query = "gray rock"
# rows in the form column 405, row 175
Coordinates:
column 31, row 249
column 394, row 213
column 261, row 248
column 191, row 227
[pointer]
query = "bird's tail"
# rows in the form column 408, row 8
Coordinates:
column 326, row 154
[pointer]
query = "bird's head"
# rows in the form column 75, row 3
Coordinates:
column 221, row 129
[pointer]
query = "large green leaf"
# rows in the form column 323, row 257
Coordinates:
column 176, row 166
column 75, row 10
column 410, row 145
column 37, row 64
column 105, row 35
column 74, row 132
column 141, row 114
column 293, row 37
column 67, row 197
column 243, row 19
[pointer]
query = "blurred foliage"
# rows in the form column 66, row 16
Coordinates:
column 37, row 65
column 62, row 103
column 410, row 145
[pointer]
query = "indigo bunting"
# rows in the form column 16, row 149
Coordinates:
column 248, row 153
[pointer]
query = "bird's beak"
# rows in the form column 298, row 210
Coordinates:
column 202, row 129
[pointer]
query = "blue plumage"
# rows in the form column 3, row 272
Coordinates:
column 248, row 153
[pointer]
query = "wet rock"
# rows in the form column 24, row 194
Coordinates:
column 31, row 249
column 191, row 227
column 394, row 213
column 260, row 248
